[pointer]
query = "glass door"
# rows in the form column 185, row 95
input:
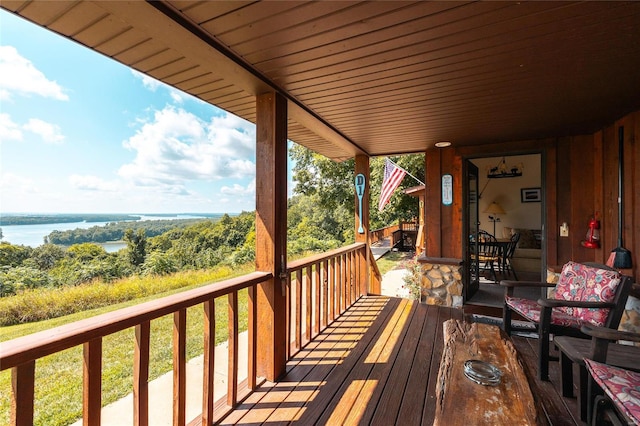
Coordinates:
column 470, row 226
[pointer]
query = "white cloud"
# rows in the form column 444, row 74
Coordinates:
column 8, row 129
column 176, row 147
column 92, row 183
column 49, row 132
column 177, row 96
column 12, row 183
column 20, row 76
column 148, row 82
column 239, row 190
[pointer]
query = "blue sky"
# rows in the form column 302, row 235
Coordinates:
column 82, row 133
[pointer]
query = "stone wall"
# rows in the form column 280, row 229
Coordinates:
column 441, row 281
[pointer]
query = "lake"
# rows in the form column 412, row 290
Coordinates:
column 33, row 235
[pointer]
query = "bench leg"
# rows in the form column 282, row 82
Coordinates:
column 583, row 381
column 566, row 375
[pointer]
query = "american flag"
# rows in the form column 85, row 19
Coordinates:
column 393, row 175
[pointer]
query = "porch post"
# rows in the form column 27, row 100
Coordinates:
column 362, row 167
column 271, row 232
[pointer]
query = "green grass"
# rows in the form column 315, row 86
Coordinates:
column 58, row 399
column 393, row 260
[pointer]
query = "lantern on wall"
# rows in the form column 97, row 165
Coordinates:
column 593, row 234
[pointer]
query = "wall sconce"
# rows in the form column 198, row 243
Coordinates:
column 502, row 171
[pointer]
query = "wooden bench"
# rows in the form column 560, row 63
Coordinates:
column 460, row 401
column 574, row 350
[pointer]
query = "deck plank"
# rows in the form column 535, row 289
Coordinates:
column 377, row 364
column 389, row 394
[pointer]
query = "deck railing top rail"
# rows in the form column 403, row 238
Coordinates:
column 308, row 261
column 31, row 347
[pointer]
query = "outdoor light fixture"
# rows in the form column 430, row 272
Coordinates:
column 494, row 209
column 443, row 144
column 502, row 171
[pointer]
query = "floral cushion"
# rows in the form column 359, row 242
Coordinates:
column 587, row 283
column 621, row 386
column 531, row 310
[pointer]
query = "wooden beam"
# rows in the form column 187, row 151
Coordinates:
column 271, row 231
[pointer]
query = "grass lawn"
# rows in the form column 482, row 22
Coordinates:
column 58, row 386
column 393, row 260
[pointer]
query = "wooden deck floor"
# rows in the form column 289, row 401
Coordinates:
column 377, row 364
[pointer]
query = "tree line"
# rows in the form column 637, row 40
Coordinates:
column 320, row 217
column 114, row 231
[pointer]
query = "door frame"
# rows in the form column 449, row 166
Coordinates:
column 466, row 161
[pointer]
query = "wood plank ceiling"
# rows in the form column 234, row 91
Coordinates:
column 384, row 77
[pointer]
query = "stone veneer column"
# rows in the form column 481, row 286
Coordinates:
column 441, row 281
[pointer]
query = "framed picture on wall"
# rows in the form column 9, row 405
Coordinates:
column 530, row 195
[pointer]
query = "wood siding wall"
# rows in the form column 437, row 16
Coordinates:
column 580, row 178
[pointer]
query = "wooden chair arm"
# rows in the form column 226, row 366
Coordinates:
column 556, row 303
column 609, row 333
column 508, row 283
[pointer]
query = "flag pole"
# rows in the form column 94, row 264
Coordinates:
column 392, row 162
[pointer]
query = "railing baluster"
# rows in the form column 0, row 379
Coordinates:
column 347, row 281
column 141, row 374
column 318, row 301
column 332, row 288
column 22, row 393
column 309, row 308
column 298, row 309
column 325, row 291
column 232, row 376
column 208, row 364
column 288, row 303
column 179, row 366
column 339, row 285
column 252, row 324
column 92, row 382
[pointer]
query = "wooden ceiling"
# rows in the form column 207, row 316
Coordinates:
column 384, row 77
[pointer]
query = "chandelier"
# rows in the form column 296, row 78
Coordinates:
column 501, row 170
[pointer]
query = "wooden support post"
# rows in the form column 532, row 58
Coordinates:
column 362, row 167
column 271, row 232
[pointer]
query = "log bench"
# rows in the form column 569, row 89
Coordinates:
column 460, row 401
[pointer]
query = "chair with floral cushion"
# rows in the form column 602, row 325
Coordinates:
column 586, row 293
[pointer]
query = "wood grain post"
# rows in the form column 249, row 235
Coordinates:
column 271, row 231
column 141, row 374
column 23, row 392
column 92, row 382
column 362, row 167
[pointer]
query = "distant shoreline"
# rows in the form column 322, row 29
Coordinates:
column 44, row 219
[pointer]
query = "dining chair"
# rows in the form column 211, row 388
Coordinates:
column 586, row 293
column 507, row 257
column 488, row 254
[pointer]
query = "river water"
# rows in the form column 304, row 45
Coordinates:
column 33, row 235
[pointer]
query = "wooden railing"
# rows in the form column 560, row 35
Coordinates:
column 382, row 233
column 318, row 290
column 321, row 287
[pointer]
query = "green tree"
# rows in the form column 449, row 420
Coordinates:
column 332, row 186
column 45, row 256
column 136, row 246
column 13, row 255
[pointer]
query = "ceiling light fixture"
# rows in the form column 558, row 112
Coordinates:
column 443, row 144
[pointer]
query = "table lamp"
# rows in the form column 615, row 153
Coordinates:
column 494, row 209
